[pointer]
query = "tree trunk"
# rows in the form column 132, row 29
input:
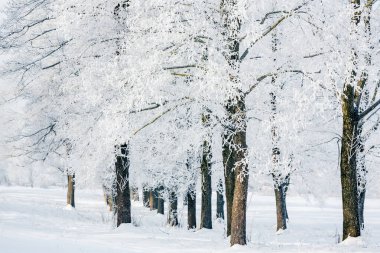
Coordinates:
column 185, row 200
column 229, row 177
column 354, row 88
column 235, row 148
column 361, row 208
column 348, row 162
column 280, row 183
column 71, row 190
column 152, row 200
column 191, row 208
column 361, row 177
column 239, row 205
column 362, row 103
column 160, row 201
column 348, row 168
column 123, row 201
column 155, row 199
column 146, row 195
column 173, row 212
column 220, row 201
column 206, row 215
column 281, row 211
column 108, row 197
column 160, row 206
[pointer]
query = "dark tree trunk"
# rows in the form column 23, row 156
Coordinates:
column 160, row 201
column 350, row 101
column 361, row 208
column 185, row 200
column 71, row 190
column 155, row 199
column 220, row 201
column 206, row 215
column 160, row 206
column 281, row 211
column 123, row 201
column 173, row 212
column 229, row 177
column 348, row 167
column 361, row 177
column 146, row 195
column 192, row 208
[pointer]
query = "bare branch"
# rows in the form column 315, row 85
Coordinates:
column 158, row 117
column 369, row 110
column 180, row 67
column 270, row 14
column 272, row 27
column 263, row 77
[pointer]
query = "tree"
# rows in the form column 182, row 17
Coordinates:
column 173, row 212
column 352, row 98
column 123, row 196
column 191, row 208
column 206, row 216
column 71, row 190
column 220, row 200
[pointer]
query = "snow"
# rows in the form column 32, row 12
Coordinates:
column 36, row 220
column 353, row 241
column 69, row 207
column 376, row 5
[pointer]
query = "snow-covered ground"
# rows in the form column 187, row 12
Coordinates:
column 36, row 220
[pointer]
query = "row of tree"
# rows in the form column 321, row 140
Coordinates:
column 157, row 94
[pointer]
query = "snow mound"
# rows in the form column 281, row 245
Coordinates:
column 354, row 241
column 69, row 207
column 239, row 248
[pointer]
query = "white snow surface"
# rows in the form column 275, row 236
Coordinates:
column 37, row 220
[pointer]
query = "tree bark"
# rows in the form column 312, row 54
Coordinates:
column 206, row 215
column 160, row 206
column 71, row 190
column 229, row 177
column 173, row 212
column 361, row 177
column 123, row 201
column 191, row 208
column 146, row 195
column 348, row 165
column 361, row 207
column 155, row 199
column 281, row 211
column 152, row 200
column 239, row 205
column 220, row 201
column 348, row 162
column 160, row 201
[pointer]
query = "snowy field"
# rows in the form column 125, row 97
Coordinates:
column 36, row 220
